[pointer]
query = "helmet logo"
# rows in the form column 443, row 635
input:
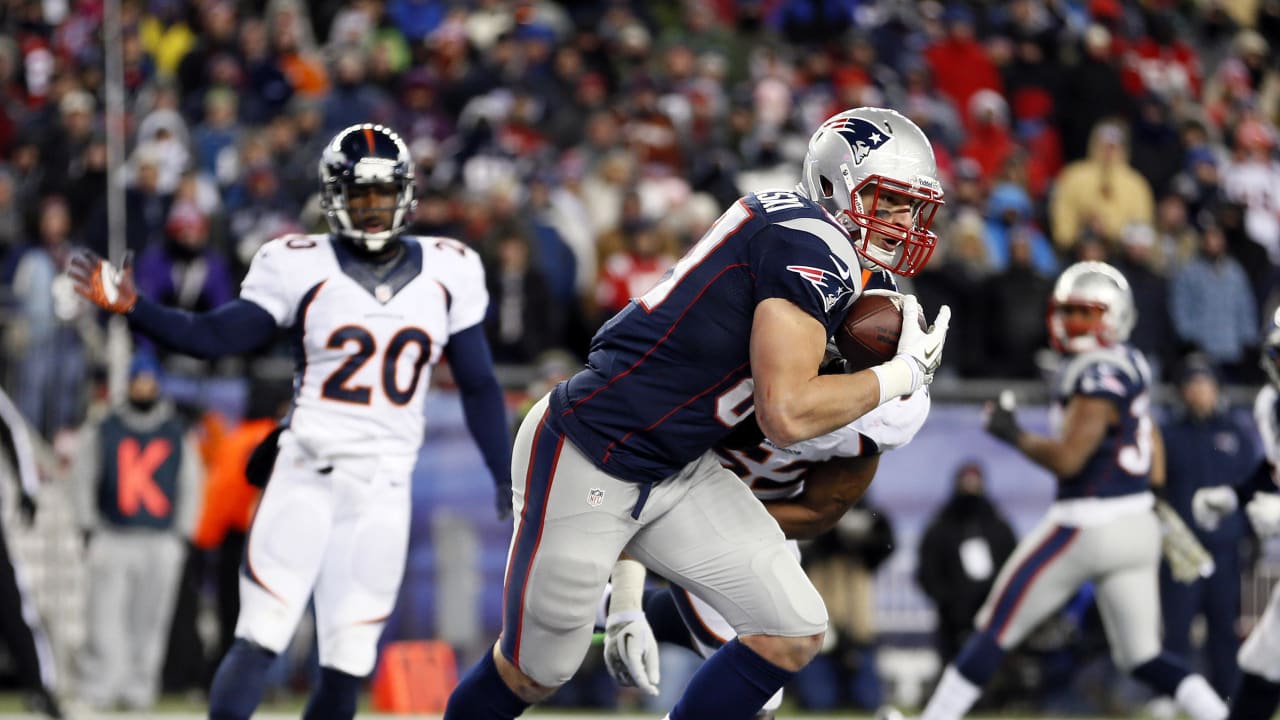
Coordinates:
column 862, row 136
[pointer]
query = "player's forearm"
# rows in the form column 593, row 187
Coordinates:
column 236, row 327
column 483, row 402
column 1059, row 458
column 815, row 407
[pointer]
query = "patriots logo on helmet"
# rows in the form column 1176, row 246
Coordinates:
column 862, row 136
column 830, row 292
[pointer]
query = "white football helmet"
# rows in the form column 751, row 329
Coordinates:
column 1094, row 285
column 366, row 154
column 878, row 150
column 1270, row 358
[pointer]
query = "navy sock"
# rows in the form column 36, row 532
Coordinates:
column 482, row 695
column 664, row 617
column 979, row 659
column 239, row 683
column 733, row 684
column 1257, row 698
column 334, row 697
column 1162, row 673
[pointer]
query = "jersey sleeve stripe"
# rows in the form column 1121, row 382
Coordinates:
column 657, row 344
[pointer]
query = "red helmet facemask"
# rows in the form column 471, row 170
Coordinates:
column 915, row 244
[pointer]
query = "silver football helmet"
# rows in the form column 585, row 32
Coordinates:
column 366, row 154
column 1270, row 359
column 1092, row 286
column 874, row 151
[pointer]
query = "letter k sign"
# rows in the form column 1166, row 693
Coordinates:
column 136, row 484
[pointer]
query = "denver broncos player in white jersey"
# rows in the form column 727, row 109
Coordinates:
column 619, row 457
column 370, row 310
column 1259, row 693
column 1102, row 527
column 806, row 487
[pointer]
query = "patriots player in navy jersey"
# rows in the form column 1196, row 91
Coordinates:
column 619, row 457
column 1106, row 452
column 1259, row 693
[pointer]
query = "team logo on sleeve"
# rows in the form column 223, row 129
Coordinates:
column 831, row 287
column 862, row 136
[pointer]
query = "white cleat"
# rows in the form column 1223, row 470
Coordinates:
column 888, row 712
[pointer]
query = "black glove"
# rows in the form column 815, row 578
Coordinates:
column 262, row 461
column 502, row 501
column 1000, row 420
column 27, row 509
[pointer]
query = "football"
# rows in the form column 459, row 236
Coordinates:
column 869, row 333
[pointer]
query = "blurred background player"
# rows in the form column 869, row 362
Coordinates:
column 372, row 310
column 137, row 476
column 1258, row 694
column 618, row 457
column 21, row 628
column 1105, row 453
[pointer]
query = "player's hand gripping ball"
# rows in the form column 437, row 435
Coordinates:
column 869, row 333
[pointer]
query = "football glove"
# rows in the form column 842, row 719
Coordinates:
column 1187, row 558
column 1209, row 505
column 631, row 650
column 1264, row 512
column 101, row 283
column 999, row 419
column 919, row 352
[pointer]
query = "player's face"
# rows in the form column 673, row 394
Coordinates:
column 1080, row 320
column 893, row 208
column 372, row 207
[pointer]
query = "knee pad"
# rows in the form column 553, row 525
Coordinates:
column 798, row 610
column 351, row 649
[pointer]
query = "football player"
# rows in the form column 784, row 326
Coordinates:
column 806, row 487
column 619, row 457
column 371, row 310
column 1259, row 693
column 1102, row 528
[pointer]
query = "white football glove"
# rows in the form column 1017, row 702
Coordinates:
column 919, row 352
column 1264, row 512
column 1209, row 505
column 631, row 651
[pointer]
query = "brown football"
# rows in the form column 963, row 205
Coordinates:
column 869, row 333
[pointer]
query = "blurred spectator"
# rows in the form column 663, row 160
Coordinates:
column 1157, row 151
column 959, row 62
column 1091, row 91
column 183, row 271
column 1176, row 240
column 956, row 276
column 218, row 133
column 64, row 143
column 1153, row 333
column 46, row 333
column 964, row 544
column 1009, row 213
column 631, row 271
column 1100, row 194
column 842, row 565
column 1017, row 304
column 1212, row 305
column 1204, row 446
column 989, row 141
column 137, row 477
column 1161, row 64
column 213, row 58
column 518, row 324
column 351, row 100
column 1252, row 179
column 266, row 88
column 166, row 36
column 146, row 206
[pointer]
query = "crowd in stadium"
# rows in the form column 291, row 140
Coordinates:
column 581, row 147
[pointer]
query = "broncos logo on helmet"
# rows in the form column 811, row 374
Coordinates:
column 862, row 135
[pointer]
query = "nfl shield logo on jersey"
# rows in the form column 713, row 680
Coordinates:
column 595, row 497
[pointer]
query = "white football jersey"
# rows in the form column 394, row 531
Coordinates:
column 775, row 473
column 366, row 343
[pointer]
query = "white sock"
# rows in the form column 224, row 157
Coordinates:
column 953, row 697
column 1197, row 698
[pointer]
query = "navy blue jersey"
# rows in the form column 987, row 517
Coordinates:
column 1122, row 463
column 669, row 375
